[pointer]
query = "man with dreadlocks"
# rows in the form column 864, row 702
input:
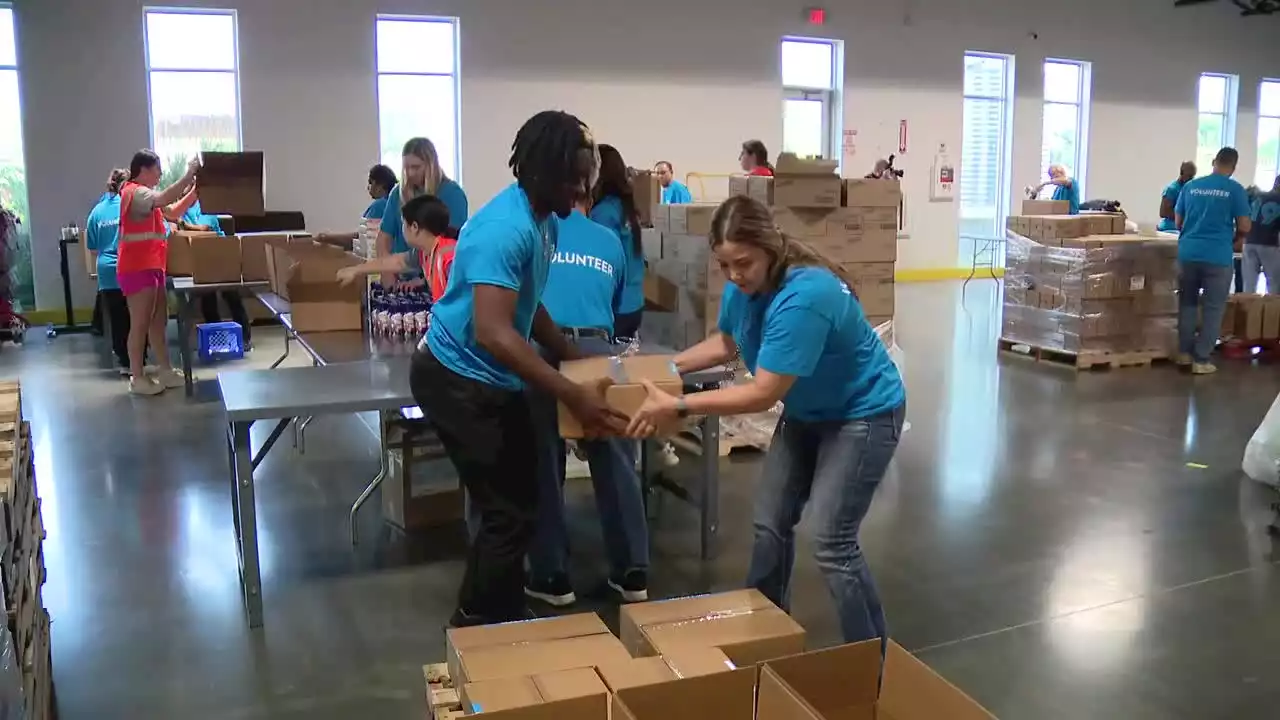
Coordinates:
column 471, row 369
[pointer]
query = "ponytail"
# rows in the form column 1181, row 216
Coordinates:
column 116, row 180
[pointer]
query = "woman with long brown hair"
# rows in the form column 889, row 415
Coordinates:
column 420, row 174
column 615, row 208
column 792, row 316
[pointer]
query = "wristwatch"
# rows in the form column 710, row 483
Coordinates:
column 682, row 408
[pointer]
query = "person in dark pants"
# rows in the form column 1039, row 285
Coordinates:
column 615, row 208
column 470, row 371
column 101, row 234
column 196, row 219
column 1262, row 247
column 805, row 339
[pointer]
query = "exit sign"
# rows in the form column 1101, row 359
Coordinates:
column 816, row 15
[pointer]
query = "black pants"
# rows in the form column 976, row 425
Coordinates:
column 488, row 434
column 627, row 325
column 235, row 303
column 116, row 310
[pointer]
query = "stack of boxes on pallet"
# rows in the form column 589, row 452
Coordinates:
column 851, row 222
column 1077, row 284
column 25, row 659
column 733, row 656
column 1252, row 319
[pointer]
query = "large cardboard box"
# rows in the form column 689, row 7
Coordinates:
column 305, row 275
column 756, row 187
column 723, row 696
column 574, row 694
column 690, row 219
column 254, row 258
column 231, row 183
column 872, row 192
column 180, row 262
column 619, row 379
column 844, row 683
column 1045, row 207
column 681, row 662
column 461, row 642
column 844, row 235
column 660, row 294
column 647, row 192
column 873, row 283
column 215, row 259
column 805, row 183
column 743, row 624
column 521, row 659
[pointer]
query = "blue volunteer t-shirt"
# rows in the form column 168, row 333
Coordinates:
column 813, row 328
column 587, row 274
column 450, row 193
column 608, row 212
column 1070, row 193
column 504, row 246
column 1209, row 207
column 195, row 216
column 1171, row 193
column 376, row 209
column 676, row 194
column 101, row 233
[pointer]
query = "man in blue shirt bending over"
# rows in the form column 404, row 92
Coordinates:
column 1213, row 214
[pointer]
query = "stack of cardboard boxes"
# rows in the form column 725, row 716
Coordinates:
column 732, row 655
column 1076, row 283
column 853, row 223
column 1252, row 318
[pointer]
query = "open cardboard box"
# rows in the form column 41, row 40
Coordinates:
column 840, row 683
column 742, row 624
column 724, row 696
column 620, row 379
column 254, row 261
column 530, row 646
column 231, row 183
column 306, row 275
column 805, row 182
column 574, row 694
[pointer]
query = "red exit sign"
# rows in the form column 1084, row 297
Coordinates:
column 816, row 15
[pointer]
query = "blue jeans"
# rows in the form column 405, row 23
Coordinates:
column 1262, row 260
column 1206, row 309
column 619, row 496
column 837, row 465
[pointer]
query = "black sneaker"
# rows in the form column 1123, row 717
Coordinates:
column 554, row 591
column 461, row 618
column 632, row 587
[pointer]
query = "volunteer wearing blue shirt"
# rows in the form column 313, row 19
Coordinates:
column 1262, row 247
column 583, row 289
column 615, row 208
column 803, row 335
column 1169, row 198
column 196, row 219
column 1212, row 212
column 1064, row 188
column 381, row 180
column 420, row 174
column 674, row 192
column 101, row 233
column 470, row 371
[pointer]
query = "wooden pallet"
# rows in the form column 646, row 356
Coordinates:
column 442, row 698
column 1085, row 359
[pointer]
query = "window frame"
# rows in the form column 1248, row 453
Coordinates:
column 1228, row 113
column 1262, row 115
column 830, row 97
column 455, row 173
column 1082, row 105
column 1004, row 158
column 149, row 10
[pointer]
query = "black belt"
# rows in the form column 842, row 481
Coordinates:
column 585, row 333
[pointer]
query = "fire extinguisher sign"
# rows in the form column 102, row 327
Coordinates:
column 902, row 137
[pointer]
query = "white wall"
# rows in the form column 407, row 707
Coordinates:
column 684, row 80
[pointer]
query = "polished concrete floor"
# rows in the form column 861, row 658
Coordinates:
column 1061, row 546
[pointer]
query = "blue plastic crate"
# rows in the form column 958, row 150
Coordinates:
column 220, row 341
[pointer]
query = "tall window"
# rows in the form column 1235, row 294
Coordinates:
column 812, row 76
column 984, row 167
column 417, row 65
column 193, row 81
column 13, row 176
column 1268, row 134
column 1216, row 101
column 1066, row 118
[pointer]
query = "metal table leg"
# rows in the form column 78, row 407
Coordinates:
column 235, row 493
column 281, row 359
column 383, row 469
column 250, row 576
column 184, row 341
column 709, row 490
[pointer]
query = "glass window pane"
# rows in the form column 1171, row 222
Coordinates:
column 1061, row 82
column 10, row 123
column 984, row 76
column 1061, row 136
column 802, row 127
column 417, row 105
column 807, row 64
column 1268, row 152
column 1208, row 141
column 1269, row 98
column 193, row 111
column 415, row 46
column 191, row 41
column 8, row 49
column 1213, row 93
column 980, row 170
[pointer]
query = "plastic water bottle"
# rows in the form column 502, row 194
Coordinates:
column 49, row 332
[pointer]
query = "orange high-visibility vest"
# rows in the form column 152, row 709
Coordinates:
column 143, row 244
column 437, row 266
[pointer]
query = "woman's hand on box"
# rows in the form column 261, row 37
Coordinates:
column 659, row 410
column 348, row 275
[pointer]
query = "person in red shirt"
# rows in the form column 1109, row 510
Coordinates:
column 754, row 159
column 432, row 242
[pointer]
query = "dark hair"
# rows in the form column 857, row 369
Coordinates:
column 544, row 155
column 430, row 213
column 1227, row 156
column 614, row 182
column 382, row 175
column 747, row 221
column 116, row 180
column 660, row 163
column 142, row 160
column 757, row 150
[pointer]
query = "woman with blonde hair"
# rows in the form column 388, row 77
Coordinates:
column 420, row 174
column 793, row 318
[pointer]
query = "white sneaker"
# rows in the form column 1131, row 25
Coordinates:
column 169, row 379
column 144, row 386
column 1203, row 369
column 1182, row 359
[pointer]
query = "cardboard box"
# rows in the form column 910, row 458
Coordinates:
column 576, row 694
column 844, row 235
column 873, row 283
column 620, row 381
column 254, row 265
column 692, row 661
column 660, row 215
column 691, row 219
column 872, row 192
column 521, row 659
column 840, row 683
column 756, row 187
column 648, row 193
column 180, row 262
column 806, row 191
column 231, row 183
column 460, row 641
column 660, row 294
column 681, row 662
column 724, row 696
column 214, row 258
column 1045, row 207
column 743, row 624
column 305, row 275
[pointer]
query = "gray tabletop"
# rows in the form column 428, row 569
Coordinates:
column 250, row 395
column 188, row 285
